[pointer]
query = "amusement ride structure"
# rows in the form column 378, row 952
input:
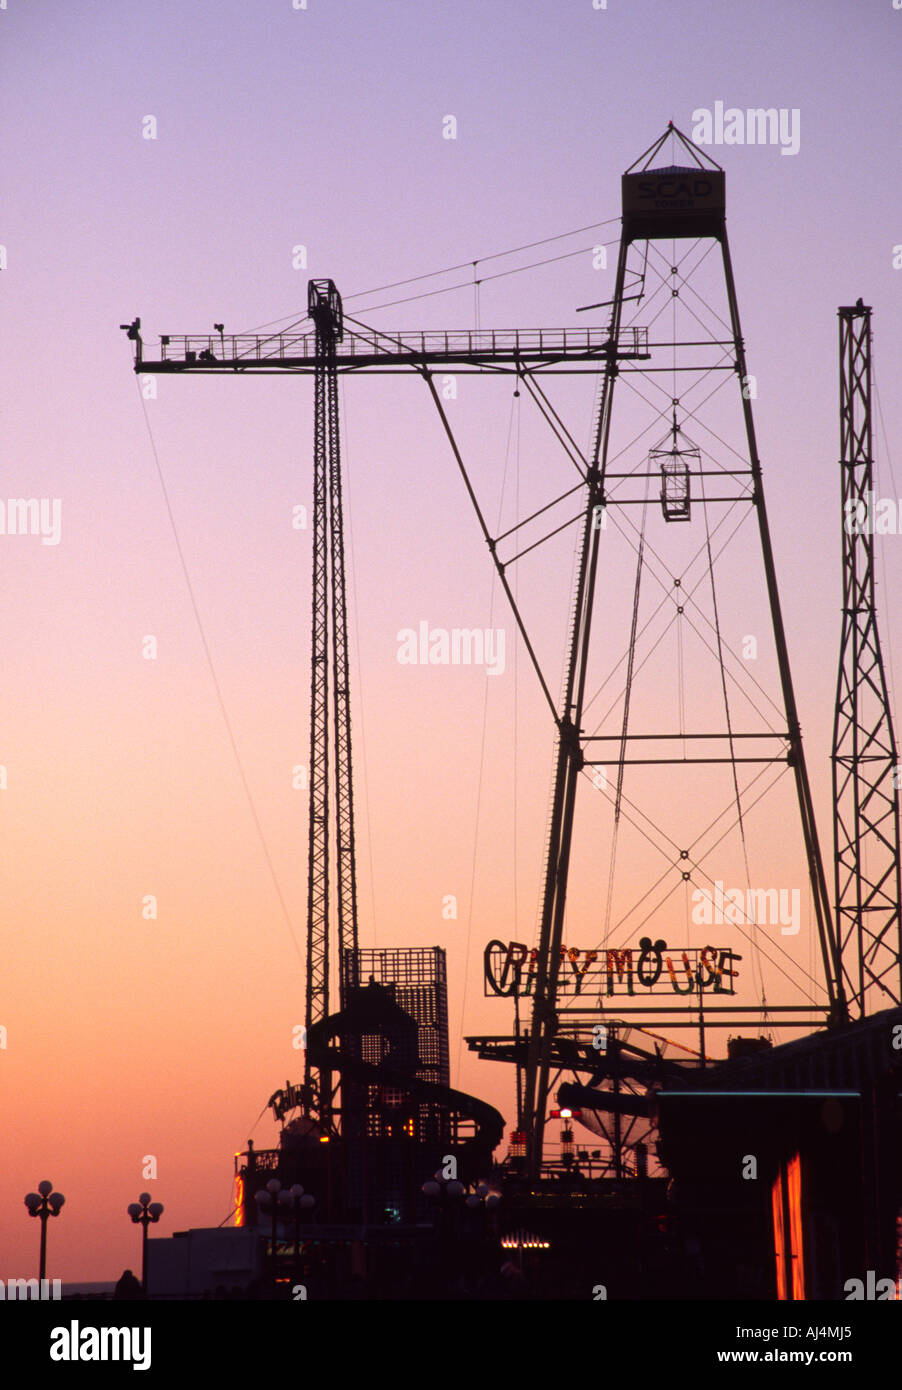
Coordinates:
column 670, row 481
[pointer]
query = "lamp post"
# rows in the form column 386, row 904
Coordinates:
column 298, row 1204
column 461, row 1238
column 294, row 1202
column 449, row 1191
column 267, row 1200
column 142, row 1213
column 48, row 1203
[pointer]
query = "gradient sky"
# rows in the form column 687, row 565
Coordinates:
column 323, row 126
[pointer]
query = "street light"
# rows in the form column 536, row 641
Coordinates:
column 293, row 1201
column 267, row 1200
column 47, row 1204
column 298, row 1204
column 462, row 1223
column 142, row 1213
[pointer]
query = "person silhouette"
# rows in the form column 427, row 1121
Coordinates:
column 128, row 1286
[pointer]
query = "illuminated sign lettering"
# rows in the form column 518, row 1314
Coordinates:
column 652, row 966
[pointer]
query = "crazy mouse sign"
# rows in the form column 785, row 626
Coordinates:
column 650, row 967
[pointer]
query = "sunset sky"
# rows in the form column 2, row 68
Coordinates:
column 278, row 126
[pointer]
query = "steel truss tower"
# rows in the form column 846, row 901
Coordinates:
column 670, row 203
column 865, row 794
column 329, row 655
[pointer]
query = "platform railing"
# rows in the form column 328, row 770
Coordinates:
column 196, row 349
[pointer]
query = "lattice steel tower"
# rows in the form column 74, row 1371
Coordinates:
column 664, row 203
column 329, row 648
column 865, row 795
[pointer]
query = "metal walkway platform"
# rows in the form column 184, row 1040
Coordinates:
column 479, row 349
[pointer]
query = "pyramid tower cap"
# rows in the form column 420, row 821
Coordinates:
column 699, row 158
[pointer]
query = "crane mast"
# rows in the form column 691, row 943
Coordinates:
column 329, row 656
